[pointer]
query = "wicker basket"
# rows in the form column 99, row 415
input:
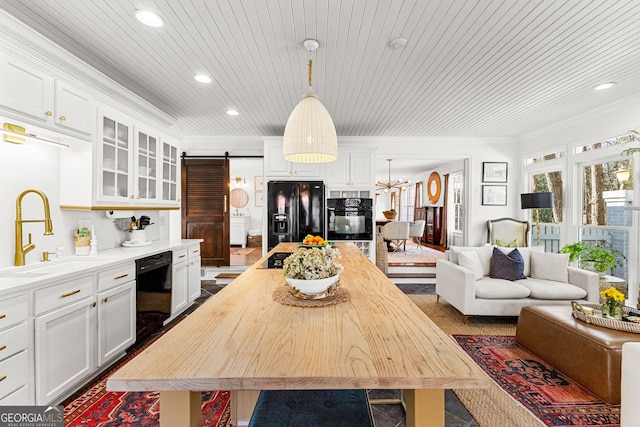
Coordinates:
column 382, row 257
column 605, row 322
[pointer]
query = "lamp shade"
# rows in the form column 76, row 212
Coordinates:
column 310, row 136
column 536, row 200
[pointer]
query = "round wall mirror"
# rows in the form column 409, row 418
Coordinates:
column 433, row 187
column 239, row 197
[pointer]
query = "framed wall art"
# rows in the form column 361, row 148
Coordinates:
column 258, row 198
column 494, row 171
column 494, row 195
column 257, row 183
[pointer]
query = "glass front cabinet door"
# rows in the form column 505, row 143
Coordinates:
column 169, row 173
column 115, row 159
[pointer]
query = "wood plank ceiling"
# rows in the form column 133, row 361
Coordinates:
column 470, row 68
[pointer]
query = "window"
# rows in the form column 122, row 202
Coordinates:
column 543, row 158
column 606, row 191
column 457, row 201
column 549, row 219
column 407, row 199
column 618, row 140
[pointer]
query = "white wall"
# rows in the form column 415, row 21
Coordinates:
column 478, row 150
column 35, row 165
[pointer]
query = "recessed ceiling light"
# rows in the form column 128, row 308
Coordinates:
column 149, row 18
column 232, row 112
column 202, row 78
column 604, row 86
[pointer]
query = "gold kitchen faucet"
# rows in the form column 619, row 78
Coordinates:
column 21, row 251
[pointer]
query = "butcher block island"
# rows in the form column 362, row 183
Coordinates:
column 244, row 341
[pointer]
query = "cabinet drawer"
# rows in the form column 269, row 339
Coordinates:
column 179, row 255
column 21, row 397
column 63, row 294
column 12, row 373
column 14, row 340
column 13, row 310
column 194, row 252
column 116, row 276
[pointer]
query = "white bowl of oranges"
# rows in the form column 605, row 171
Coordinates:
column 314, row 241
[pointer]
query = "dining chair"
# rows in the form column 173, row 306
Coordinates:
column 416, row 230
column 396, row 232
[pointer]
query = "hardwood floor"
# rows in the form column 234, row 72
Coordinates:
column 244, row 256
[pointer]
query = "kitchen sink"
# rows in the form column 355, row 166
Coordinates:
column 46, row 269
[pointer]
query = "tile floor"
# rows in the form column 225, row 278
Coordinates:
column 390, row 415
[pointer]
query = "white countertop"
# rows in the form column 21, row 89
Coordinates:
column 35, row 274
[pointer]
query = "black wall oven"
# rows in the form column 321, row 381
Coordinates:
column 349, row 219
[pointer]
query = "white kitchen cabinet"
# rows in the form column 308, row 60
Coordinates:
column 195, row 263
column 44, row 101
column 130, row 165
column 238, row 230
column 180, row 282
column 170, row 173
column 275, row 166
column 64, row 348
column 353, row 169
column 145, row 173
column 116, row 311
column 73, row 108
column 16, row 357
column 65, row 336
column 115, row 153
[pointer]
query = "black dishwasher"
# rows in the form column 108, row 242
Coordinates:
column 153, row 293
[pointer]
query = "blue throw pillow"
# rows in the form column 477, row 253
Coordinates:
column 507, row 266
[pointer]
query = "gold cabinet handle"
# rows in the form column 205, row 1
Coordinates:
column 120, row 277
column 93, row 304
column 132, row 196
column 4, row 377
column 106, row 299
column 3, row 347
column 2, row 316
column 49, row 113
column 68, row 294
column 63, row 118
column 182, row 256
column 195, row 251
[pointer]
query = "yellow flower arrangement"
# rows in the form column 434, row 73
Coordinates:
column 612, row 305
column 612, row 295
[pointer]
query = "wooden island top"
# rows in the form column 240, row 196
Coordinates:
column 241, row 339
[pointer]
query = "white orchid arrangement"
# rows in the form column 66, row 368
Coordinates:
column 314, row 263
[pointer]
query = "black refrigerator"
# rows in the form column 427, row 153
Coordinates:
column 295, row 209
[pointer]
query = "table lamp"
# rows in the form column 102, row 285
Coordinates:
column 536, row 201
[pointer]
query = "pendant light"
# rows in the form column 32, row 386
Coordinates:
column 400, row 184
column 310, row 136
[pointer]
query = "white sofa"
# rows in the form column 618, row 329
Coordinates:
column 472, row 292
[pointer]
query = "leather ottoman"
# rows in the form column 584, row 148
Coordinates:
column 590, row 355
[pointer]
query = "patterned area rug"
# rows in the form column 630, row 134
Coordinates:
column 554, row 398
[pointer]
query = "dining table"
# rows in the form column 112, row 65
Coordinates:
column 244, row 340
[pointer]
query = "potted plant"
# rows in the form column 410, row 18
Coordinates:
column 599, row 257
column 312, row 271
column 82, row 240
column 390, row 214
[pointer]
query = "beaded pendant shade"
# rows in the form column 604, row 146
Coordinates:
column 310, row 135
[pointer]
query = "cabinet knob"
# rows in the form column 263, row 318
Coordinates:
column 139, row 196
column 106, row 299
column 49, row 113
column 132, row 196
column 63, row 118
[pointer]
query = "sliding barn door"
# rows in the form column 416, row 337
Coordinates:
column 205, row 198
